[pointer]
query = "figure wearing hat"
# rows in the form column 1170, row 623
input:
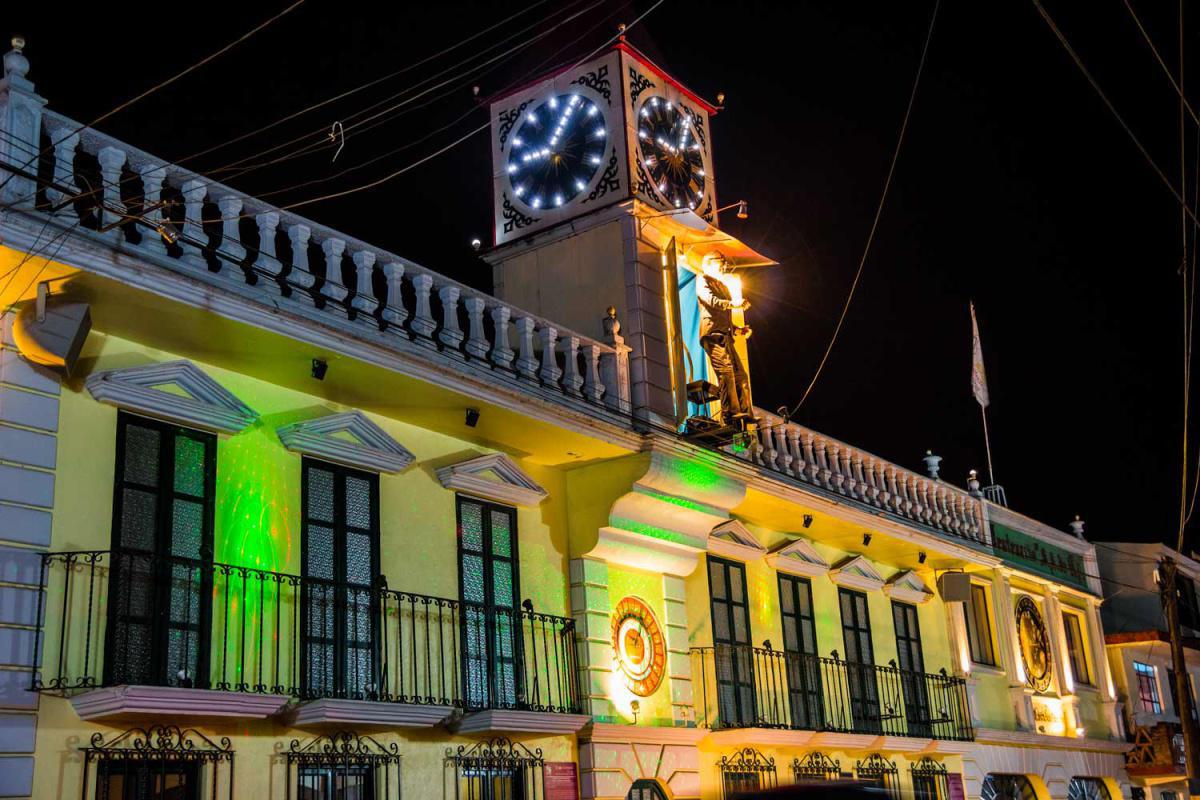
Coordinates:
column 717, row 336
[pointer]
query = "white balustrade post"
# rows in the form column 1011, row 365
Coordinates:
column 526, row 364
column 810, row 455
column 364, row 273
column 231, row 239
column 422, row 322
column 593, row 389
column 477, row 343
column 394, row 311
column 784, row 456
column 300, row 274
column 21, row 125
column 64, row 174
column 550, row 373
column 332, row 289
column 796, row 449
column 194, row 238
column 152, row 182
column 451, row 334
column 502, row 354
column 614, row 366
column 112, row 211
column 267, row 261
column 847, row 470
column 572, row 379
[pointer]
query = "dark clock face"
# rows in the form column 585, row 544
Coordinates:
column 556, row 151
column 671, row 153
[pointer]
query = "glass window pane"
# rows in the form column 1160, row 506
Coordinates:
column 358, row 558
column 320, row 494
column 189, row 465
column 716, row 579
column 141, row 454
column 139, row 521
column 187, row 529
column 501, row 538
column 503, row 585
column 318, row 541
column 737, row 592
column 472, row 578
column 358, row 502
column 470, row 527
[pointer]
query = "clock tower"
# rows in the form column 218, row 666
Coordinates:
column 604, row 193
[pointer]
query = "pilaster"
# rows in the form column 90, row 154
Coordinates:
column 591, row 609
column 679, row 665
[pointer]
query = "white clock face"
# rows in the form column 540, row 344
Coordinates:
column 557, row 149
column 671, row 152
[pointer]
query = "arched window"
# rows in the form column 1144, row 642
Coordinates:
column 646, row 789
column 1082, row 788
column 999, row 786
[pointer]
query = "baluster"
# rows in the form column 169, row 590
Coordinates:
column 550, row 373
column 810, row 456
column 422, row 321
column 957, row 516
column 300, row 274
column 905, row 505
column 795, row 449
column 451, row 334
column 194, row 239
column 869, row 478
column 893, row 490
column 332, row 289
column 231, row 239
column 572, row 380
column 526, row 364
column 364, row 292
column 477, row 344
column 851, row 481
column 860, row 480
column 64, row 176
column 593, row 389
column 822, row 452
column 918, row 506
column 783, row 458
column 152, row 182
column 112, row 210
column 394, row 311
column 268, row 223
column 765, row 452
column 502, row 355
column 939, row 513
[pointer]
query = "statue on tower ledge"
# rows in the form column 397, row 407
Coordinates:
column 720, row 294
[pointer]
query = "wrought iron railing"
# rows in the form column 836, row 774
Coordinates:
column 114, row 618
column 750, row 687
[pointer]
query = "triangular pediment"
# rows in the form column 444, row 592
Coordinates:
column 857, row 572
column 798, row 557
column 177, row 391
column 907, row 587
column 733, row 539
column 349, row 438
column 493, row 477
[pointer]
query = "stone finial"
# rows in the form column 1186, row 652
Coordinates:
column 973, row 483
column 1076, row 526
column 933, row 464
column 16, row 65
column 612, row 325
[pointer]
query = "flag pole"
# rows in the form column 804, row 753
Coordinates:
column 979, row 388
column 987, row 445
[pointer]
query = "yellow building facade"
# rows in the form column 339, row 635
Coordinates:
column 289, row 515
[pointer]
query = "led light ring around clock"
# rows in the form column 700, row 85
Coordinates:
column 1031, row 631
column 638, row 646
column 672, row 152
column 557, row 149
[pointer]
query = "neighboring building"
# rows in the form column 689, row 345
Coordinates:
column 1139, row 654
column 310, row 519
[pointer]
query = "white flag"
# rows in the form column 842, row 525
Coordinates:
column 978, row 376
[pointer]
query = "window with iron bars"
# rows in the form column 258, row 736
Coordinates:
column 880, row 772
column 344, row 765
column 816, row 766
column 157, row 762
column 747, row 770
column 929, row 780
column 497, row 769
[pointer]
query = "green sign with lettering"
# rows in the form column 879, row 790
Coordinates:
column 1027, row 552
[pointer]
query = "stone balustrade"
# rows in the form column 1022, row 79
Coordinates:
column 165, row 212
column 822, row 461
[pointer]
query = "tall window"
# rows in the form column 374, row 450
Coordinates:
column 979, row 627
column 860, row 660
column 1076, row 650
column 800, row 649
column 731, row 640
column 340, row 507
column 1147, row 683
column 490, row 586
column 160, row 585
column 912, row 661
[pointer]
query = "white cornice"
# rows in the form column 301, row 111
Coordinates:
column 798, row 557
column 208, row 405
column 907, row 587
column 733, row 540
column 857, row 573
column 373, row 451
column 514, row 487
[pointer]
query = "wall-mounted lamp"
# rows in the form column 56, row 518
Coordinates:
column 808, row 520
column 476, row 244
column 472, row 417
column 866, row 540
column 921, row 557
column 319, row 367
column 743, row 209
column 635, row 707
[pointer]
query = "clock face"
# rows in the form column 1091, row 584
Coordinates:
column 1035, row 644
column 671, row 153
column 556, row 151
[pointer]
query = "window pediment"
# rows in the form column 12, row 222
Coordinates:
column 732, row 539
column 907, row 587
column 177, row 391
column 493, row 477
column 349, row 438
column 798, row 557
column 857, row 572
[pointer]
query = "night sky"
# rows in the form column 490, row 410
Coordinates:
column 1015, row 187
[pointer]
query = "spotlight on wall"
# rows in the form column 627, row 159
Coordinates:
column 743, row 209
column 476, row 244
column 635, row 707
column 866, row 540
column 921, row 557
column 808, row 519
column 319, row 367
column 472, row 417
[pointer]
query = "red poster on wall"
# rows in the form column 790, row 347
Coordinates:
column 561, row 780
column 954, row 786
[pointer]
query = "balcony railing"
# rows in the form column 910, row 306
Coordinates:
column 840, row 468
column 119, row 618
column 750, row 687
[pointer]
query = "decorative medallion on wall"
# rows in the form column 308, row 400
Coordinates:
column 1035, row 645
column 638, row 646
